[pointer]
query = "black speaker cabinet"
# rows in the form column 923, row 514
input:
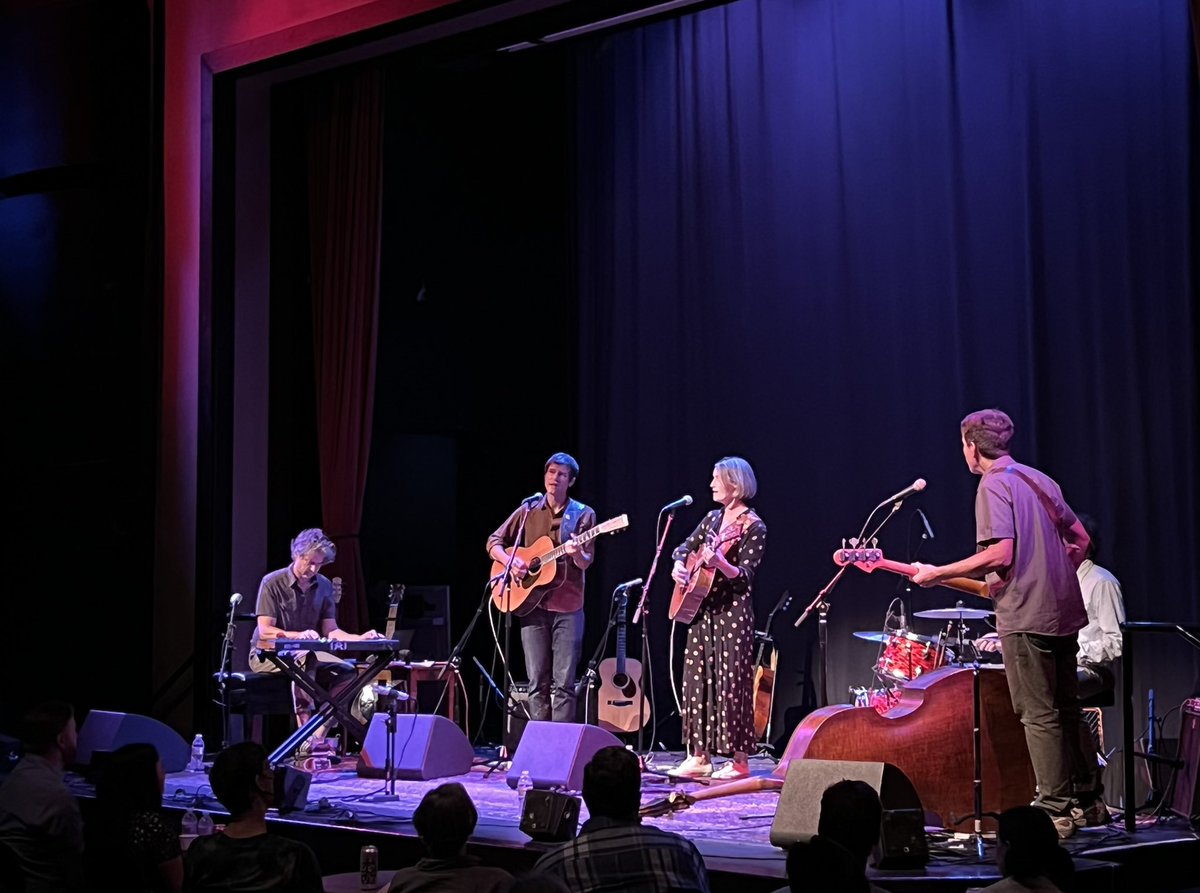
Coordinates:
column 799, row 809
column 103, row 731
column 555, row 753
column 550, row 815
column 426, row 746
column 586, row 709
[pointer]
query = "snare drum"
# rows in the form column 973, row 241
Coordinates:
column 907, row 655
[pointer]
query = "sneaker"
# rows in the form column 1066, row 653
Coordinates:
column 1068, row 823
column 1096, row 813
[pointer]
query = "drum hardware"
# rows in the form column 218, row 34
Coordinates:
column 957, row 613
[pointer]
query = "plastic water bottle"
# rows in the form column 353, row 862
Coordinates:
column 204, row 824
column 196, row 763
column 524, row 784
column 189, row 823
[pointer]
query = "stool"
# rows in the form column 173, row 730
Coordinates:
column 251, row 696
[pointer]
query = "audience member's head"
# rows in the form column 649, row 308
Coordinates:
column 1027, row 847
column 537, row 882
column 823, row 864
column 48, row 730
column 241, row 776
column 445, row 819
column 851, row 814
column 612, row 784
column 131, row 781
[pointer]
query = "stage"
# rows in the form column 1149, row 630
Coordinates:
column 345, row 811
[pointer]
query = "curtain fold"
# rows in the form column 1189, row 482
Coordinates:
column 344, row 136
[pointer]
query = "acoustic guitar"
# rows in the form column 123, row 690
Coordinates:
column 690, row 595
column 870, row 559
column 541, row 558
column 622, row 699
column 764, row 673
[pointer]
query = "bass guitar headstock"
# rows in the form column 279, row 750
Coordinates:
column 865, row 558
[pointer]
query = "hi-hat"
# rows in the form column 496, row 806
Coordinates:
column 873, row 636
column 954, row 614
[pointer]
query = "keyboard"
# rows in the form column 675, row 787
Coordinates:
column 354, row 646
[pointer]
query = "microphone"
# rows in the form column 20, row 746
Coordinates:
column 678, row 503
column 916, row 487
column 925, row 521
column 630, row 584
column 337, row 589
column 382, row 691
column 903, row 619
column 534, row 498
column 235, row 600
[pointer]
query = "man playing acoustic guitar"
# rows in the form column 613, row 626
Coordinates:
column 552, row 630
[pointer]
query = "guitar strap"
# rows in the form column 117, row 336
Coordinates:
column 745, row 520
column 1052, row 510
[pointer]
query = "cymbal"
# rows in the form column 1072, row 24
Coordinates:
column 954, row 614
column 872, row 636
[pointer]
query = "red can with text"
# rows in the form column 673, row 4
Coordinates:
column 368, row 868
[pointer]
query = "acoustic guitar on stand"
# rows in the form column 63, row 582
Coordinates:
column 541, row 558
column 688, row 597
column 622, row 698
column 870, row 559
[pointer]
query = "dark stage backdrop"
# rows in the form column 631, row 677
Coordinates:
column 815, row 235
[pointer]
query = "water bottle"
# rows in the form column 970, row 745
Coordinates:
column 524, row 783
column 204, row 825
column 196, row 763
column 189, row 823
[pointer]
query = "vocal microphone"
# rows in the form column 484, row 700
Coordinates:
column 235, row 600
column 925, row 521
column 382, row 691
column 534, row 498
column 630, row 584
column 916, row 487
column 678, row 503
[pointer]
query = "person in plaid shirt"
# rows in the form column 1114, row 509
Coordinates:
column 614, row 850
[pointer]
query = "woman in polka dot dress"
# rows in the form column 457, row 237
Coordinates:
column 718, row 662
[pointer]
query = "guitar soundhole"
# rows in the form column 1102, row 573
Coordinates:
column 620, row 680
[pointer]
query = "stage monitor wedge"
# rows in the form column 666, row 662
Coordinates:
column 104, row 731
column 555, row 753
column 427, row 746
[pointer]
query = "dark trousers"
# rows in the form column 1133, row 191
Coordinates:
column 1092, row 679
column 552, row 642
column 1042, row 683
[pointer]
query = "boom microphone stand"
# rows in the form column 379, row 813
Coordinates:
column 223, row 676
column 642, row 613
column 821, row 602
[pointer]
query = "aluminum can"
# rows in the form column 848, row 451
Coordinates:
column 368, row 868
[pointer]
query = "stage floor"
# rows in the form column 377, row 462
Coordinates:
column 732, row 833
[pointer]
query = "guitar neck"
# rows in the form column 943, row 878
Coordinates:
column 580, row 538
column 962, row 584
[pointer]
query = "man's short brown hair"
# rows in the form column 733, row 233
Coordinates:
column 990, row 430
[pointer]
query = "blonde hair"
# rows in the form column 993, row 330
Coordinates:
column 737, row 473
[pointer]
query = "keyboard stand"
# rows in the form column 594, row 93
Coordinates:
column 328, row 705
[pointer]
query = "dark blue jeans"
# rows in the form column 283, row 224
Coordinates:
column 552, row 642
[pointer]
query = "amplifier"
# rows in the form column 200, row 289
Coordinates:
column 1185, row 800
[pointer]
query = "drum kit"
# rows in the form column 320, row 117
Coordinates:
column 905, row 655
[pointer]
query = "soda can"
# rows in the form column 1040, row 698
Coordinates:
column 368, row 868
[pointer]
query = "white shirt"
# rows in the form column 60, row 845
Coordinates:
column 1100, row 640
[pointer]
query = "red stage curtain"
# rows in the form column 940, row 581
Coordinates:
column 345, row 173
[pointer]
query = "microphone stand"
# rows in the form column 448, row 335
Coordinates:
column 647, row 680
column 821, row 605
column 223, row 675
column 589, row 677
column 505, row 596
column 389, row 766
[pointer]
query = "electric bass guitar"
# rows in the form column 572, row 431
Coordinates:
column 541, row 558
column 868, row 559
column 689, row 596
column 622, row 699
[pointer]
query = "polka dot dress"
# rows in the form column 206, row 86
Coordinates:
column 718, row 660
